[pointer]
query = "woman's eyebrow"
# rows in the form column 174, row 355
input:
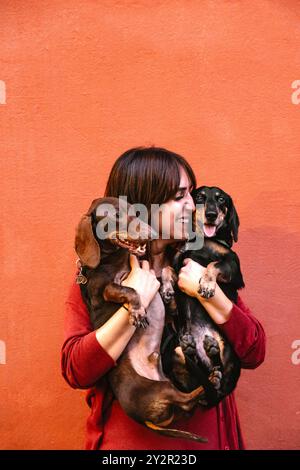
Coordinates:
column 185, row 187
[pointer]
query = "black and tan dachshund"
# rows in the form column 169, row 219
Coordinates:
column 138, row 381
column 201, row 354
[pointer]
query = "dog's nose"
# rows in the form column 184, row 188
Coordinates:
column 211, row 215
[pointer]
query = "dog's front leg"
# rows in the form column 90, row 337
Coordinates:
column 208, row 281
column 169, row 279
column 114, row 292
column 226, row 270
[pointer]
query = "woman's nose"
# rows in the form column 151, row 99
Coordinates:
column 190, row 202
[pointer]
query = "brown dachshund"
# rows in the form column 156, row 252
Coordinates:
column 138, row 382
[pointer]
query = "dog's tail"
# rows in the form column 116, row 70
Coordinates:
column 185, row 401
column 175, row 432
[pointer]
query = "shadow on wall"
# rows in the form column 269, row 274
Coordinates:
column 268, row 397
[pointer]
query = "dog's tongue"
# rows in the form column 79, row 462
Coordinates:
column 209, row 230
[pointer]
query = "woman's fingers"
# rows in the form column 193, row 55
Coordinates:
column 145, row 265
column 134, row 262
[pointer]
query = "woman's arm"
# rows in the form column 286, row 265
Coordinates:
column 114, row 335
column 219, row 306
column 246, row 334
column 83, row 360
column 240, row 326
column 86, row 354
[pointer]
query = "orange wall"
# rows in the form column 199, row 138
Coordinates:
column 86, row 80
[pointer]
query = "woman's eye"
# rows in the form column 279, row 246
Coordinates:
column 178, row 197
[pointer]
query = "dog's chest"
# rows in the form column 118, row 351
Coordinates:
column 210, row 252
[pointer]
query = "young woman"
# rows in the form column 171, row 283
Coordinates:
column 153, row 176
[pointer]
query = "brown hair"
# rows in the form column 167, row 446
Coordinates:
column 147, row 175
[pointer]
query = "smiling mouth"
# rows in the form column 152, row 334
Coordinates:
column 134, row 247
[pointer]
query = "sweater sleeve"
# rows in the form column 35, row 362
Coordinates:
column 83, row 360
column 246, row 335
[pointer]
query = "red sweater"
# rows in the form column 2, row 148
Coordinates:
column 84, row 365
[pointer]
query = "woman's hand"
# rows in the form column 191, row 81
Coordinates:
column 142, row 280
column 219, row 306
column 189, row 277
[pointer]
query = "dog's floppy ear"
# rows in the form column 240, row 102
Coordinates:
column 86, row 245
column 233, row 220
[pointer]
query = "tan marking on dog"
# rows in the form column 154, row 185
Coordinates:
column 180, row 354
column 218, row 248
column 163, row 424
column 217, row 337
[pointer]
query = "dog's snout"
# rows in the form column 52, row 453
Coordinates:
column 211, row 215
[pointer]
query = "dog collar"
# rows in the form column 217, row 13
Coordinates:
column 80, row 278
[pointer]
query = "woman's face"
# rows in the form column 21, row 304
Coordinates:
column 175, row 215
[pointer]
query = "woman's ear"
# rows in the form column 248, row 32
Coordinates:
column 86, row 246
column 233, row 220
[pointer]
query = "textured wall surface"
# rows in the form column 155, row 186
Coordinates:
column 80, row 82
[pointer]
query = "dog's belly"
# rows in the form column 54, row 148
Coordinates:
column 143, row 349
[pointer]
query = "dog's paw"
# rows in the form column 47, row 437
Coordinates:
column 188, row 345
column 207, row 288
column 215, row 378
column 211, row 346
column 138, row 317
column 166, row 290
column 167, row 293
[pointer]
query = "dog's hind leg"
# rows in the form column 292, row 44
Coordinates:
column 186, row 339
column 212, row 349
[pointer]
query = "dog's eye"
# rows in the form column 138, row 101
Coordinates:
column 221, row 199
